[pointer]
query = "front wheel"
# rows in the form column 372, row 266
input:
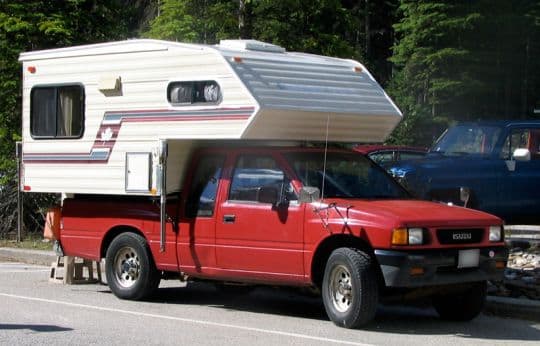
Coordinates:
column 350, row 290
column 461, row 306
column 130, row 269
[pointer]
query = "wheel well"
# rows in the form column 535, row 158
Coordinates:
column 113, row 233
column 324, row 250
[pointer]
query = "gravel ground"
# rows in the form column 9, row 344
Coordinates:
column 522, row 276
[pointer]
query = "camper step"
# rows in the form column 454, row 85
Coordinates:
column 75, row 270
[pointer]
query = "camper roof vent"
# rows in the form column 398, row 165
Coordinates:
column 251, row 45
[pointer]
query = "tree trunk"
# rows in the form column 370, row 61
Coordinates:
column 242, row 18
column 367, row 29
column 525, row 81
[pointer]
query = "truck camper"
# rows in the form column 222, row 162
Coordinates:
column 212, row 162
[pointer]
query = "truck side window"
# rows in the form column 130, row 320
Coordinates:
column 255, row 172
column 519, row 138
column 202, row 193
column 382, row 156
column 57, row 111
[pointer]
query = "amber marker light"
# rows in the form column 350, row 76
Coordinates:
column 358, row 69
column 237, row 59
column 500, row 264
column 31, row 69
column 400, row 236
column 417, row 271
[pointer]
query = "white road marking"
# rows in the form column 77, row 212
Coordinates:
column 187, row 320
column 24, row 271
column 11, row 268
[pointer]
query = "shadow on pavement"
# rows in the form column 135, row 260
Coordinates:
column 395, row 319
column 402, row 319
column 34, row 327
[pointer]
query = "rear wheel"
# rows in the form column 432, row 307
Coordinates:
column 130, row 269
column 350, row 290
column 461, row 306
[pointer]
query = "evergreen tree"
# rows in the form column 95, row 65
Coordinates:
column 463, row 60
column 329, row 27
column 205, row 21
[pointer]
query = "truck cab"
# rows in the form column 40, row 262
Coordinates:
column 294, row 216
column 491, row 166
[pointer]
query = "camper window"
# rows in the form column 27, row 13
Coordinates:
column 187, row 93
column 57, row 111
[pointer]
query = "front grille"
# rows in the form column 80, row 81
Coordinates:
column 460, row 236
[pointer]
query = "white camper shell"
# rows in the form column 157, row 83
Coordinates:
column 105, row 118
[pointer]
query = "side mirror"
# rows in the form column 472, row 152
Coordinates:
column 464, row 195
column 268, row 194
column 522, row 154
column 309, row 194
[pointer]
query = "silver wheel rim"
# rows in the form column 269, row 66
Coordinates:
column 340, row 288
column 127, row 267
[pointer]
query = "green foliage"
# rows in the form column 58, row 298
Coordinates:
column 329, row 27
column 40, row 24
column 464, row 60
column 174, row 23
column 35, row 207
column 309, row 26
column 194, row 21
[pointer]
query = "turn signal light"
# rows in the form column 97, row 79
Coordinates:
column 400, row 236
column 417, row 271
column 500, row 264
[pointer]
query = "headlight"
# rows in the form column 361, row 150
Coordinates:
column 416, row 236
column 495, row 233
column 407, row 236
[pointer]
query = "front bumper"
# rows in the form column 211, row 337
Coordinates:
column 440, row 267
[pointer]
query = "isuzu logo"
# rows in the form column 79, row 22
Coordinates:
column 462, row 236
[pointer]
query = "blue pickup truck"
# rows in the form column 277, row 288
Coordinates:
column 492, row 166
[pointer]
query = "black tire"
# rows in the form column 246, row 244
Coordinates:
column 130, row 269
column 350, row 290
column 461, row 306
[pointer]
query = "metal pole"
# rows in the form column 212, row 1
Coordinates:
column 18, row 154
column 163, row 194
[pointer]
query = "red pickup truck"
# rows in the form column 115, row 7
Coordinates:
column 295, row 216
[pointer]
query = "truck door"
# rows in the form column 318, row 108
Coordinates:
column 196, row 239
column 520, row 182
column 255, row 238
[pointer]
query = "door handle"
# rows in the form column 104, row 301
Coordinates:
column 229, row 218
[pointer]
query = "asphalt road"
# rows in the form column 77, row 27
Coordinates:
column 34, row 311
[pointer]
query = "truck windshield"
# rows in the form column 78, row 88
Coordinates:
column 347, row 175
column 466, row 140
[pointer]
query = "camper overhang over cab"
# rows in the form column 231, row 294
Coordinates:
column 104, row 118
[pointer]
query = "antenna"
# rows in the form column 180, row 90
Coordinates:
column 325, row 152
